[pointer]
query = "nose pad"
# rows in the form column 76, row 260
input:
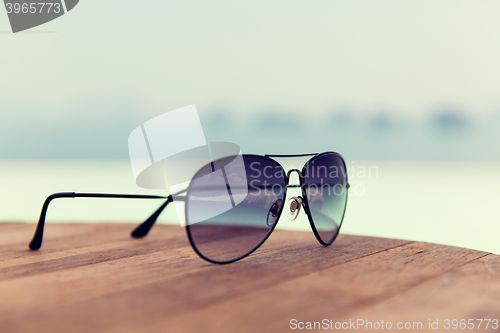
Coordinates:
column 295, row 205
column 273, row 213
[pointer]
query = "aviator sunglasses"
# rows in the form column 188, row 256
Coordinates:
column 232, row 205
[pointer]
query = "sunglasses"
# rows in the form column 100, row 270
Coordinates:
column 232, row 205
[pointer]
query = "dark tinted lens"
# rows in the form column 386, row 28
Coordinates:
column 325, row 187
column 232, row 206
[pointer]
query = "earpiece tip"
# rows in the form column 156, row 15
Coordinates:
column 138, row 233
column 35, row 245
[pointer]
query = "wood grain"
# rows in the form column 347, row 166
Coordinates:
column 95, row 278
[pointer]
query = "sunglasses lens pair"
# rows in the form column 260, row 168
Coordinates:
column 233, row 205
column 325, row 189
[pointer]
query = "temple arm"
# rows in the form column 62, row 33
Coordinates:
column 36, row 242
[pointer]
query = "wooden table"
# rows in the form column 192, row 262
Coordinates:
column 95, row 278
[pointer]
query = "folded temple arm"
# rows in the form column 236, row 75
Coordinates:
column 143, row 229
column 36, row 242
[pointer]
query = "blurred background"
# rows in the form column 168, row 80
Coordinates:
column 411, row 89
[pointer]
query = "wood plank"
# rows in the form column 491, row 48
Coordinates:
column 336, row 293
column 469, row 292
column 93, row 277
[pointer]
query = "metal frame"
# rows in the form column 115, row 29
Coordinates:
column 143, row 229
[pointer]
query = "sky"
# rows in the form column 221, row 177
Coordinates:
column 389, row 80
column 77, row 86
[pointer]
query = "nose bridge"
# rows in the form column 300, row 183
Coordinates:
column 294, row 203
column 299, row 173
